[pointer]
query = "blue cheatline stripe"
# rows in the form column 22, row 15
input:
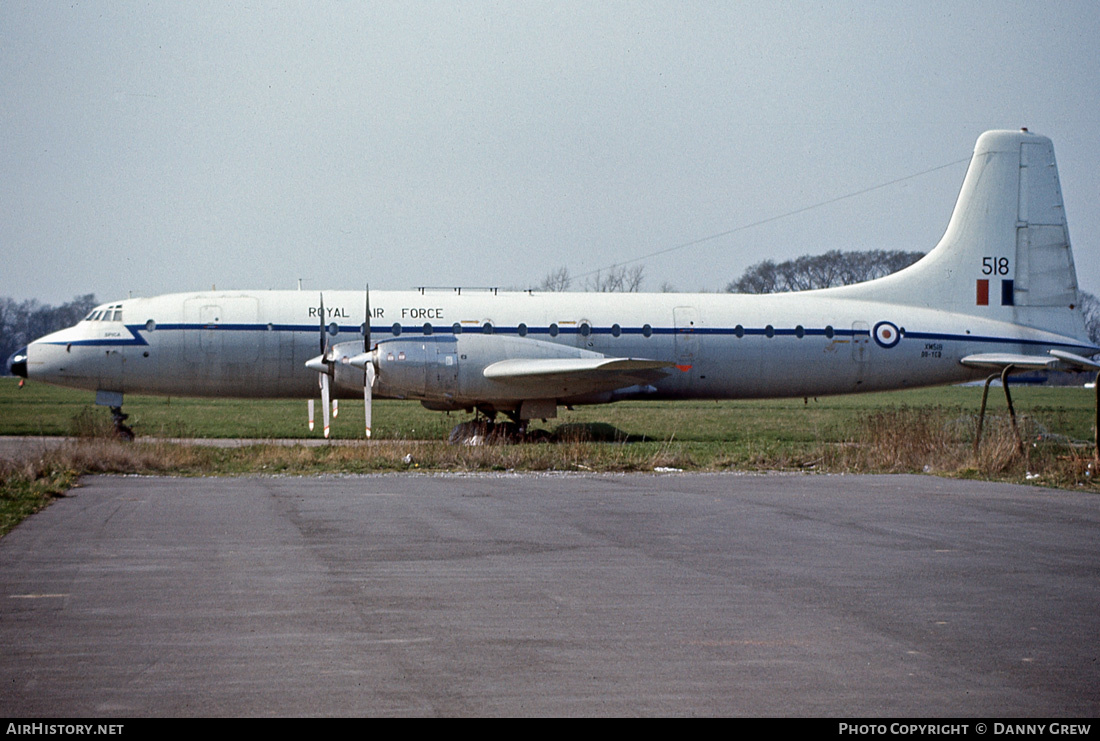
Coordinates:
column 444, row 333
column 134, row 339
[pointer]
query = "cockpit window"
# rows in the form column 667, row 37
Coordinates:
column 105, row 314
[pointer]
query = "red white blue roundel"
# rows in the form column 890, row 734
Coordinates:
column 886, row 334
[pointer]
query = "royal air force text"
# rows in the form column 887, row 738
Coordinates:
column 377, row 312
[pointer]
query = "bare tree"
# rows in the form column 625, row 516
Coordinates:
column 634, row 279
column 619, row 279
column 557, row 280
column 1090, row 307
column 834, row 268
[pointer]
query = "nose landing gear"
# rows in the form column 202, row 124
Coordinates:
column 123, row 430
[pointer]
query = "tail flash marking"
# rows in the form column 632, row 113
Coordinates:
column 983, row 292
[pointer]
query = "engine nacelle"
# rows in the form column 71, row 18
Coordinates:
column 417, row 368
column 447, row 371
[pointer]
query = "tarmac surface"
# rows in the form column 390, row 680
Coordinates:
column 452, row 595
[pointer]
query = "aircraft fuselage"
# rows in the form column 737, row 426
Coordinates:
column 255, row 343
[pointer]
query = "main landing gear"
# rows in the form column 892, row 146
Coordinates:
column 485, row 430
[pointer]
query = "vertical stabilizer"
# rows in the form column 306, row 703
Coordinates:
column 1006, row 253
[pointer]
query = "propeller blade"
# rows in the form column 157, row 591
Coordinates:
column 325, row 404
column 335, row 408
column 368, row 368
column 367, row 392
column 321, row 314
column 366, row 326
column 323, row 366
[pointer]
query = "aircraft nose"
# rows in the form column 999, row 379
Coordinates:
column 17, row 363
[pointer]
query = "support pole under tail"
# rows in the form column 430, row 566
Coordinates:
column 1012, row 410
column 981, row 413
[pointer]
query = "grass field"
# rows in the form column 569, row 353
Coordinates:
column 928, row 430
column 38, row 409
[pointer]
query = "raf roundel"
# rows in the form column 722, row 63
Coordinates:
column 886, row 334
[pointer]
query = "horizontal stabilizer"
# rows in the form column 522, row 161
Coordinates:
column 1078, row 362
column 999, row 360
column 1056, row 360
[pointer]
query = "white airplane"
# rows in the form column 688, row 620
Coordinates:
column 998, row 291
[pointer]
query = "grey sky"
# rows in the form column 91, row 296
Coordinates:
column 156, row 147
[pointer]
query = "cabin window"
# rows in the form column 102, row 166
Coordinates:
column 553, row 330
column 647, row 331
column 769, row 331
column 487, row 328
column 456, row 328
column 829, row 331
column 396, row 329
column 739, row 331
column 151, row 325
column 521, row 330
column 334, row 329
column 799, row 332
column 427, row 327
column 616, row 330
column 586, row 329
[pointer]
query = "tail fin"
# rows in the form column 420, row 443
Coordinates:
column 1006, row 252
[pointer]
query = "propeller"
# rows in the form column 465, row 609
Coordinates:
column 365, row 361
column 323, row 364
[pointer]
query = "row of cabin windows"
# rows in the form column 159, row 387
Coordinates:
column 584, row 330
column 799, row 331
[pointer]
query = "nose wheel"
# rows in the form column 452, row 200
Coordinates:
column 123, row 430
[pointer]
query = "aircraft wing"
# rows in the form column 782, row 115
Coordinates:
column 568, row 376
column 1055, row 360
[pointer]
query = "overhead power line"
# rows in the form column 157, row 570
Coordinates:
column 743, row 227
